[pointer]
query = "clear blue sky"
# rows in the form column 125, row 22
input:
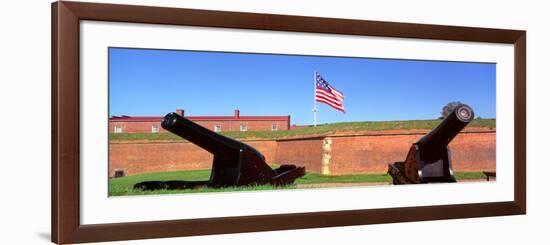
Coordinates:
column 155, row 82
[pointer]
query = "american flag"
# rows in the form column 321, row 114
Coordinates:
column 328, row 94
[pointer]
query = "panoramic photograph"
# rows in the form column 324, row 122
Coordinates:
column 184, row 122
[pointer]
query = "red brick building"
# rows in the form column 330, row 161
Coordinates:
column 151, row 124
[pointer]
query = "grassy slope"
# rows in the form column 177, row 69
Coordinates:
column 319, row 130
column 123, row 186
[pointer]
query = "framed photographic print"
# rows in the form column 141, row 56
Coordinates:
column 177, row 122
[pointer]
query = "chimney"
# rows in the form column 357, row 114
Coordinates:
column 237, row 113
column 180, row 112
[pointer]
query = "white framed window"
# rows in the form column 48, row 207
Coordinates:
column 118, row 129
column 154, row 129
column 243, row 127
column 217, row 128
column 274, row 127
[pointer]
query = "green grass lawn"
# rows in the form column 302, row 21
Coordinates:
column 319, row 130
column 124, row 186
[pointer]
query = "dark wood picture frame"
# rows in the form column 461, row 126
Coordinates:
column 65, row 174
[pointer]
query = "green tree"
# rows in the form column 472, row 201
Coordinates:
column 448, row 108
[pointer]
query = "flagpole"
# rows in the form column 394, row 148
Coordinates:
column 314, row 100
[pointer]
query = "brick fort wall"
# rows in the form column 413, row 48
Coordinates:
column 144, row 157
column 471, row 151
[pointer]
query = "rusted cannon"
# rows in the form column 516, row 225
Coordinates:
column 429, row 159
column 235, row 163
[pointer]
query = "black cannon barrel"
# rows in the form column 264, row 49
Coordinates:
column 211, row 141
column 444, row 133
column 234, row 163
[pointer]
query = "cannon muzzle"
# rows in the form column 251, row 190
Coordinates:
column 447, row 130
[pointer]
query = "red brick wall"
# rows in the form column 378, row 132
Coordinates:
column 227, row 125
column 143, row 157
column 474, row 152
column 156, row 157
column 302, row 152
column 469, row 152
column 350, row 154
column 368, row 153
